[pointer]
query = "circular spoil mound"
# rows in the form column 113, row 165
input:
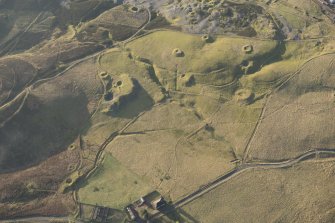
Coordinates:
column 178, row 52
column 134, row 9
column 72, row 147
column 31, row 187
column 104, row 75
column 207, row 38
column 68, row 181
column 247, row 48
column 71, row 167
column 244, row 96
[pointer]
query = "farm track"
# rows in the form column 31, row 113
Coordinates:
column 28, row 89
column 327, row 11
column 203, row 189
column 244, row 166
column 115, row 134
column 312, row 154
column 8, row 46
column 258, row 123
column 99, row 156
column 268, row 98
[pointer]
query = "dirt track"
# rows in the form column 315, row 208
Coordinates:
column 244, row 167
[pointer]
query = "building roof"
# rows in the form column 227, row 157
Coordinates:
column 152, row 196
column 159, row 203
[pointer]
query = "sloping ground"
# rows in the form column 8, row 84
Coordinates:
column 117, row 62
column 49, row 123
column 34, row 191
column 202, row 130
column 215, row 17
column 15, row 74
column 50, row 119
column 127, row 186
column 170, row 145
column 116, row 24
column 27, row 23
column 20, row 71
column 52, row 116
column 236, row 123
column 300, row 114
column 35, row 134
column 302, row 193
column 199, row 56
column 301, row 20
column 195, row 107
column 268, row 19
column 170, row 149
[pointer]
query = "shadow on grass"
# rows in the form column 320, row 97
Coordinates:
column 44, row 127
column 134, row 105
column 171, row 214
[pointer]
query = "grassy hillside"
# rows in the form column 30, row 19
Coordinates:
column 113, row 185
column 270, row 196
column 102, row 105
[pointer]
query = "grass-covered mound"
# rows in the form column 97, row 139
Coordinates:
column 216, row 63
column 225, row 52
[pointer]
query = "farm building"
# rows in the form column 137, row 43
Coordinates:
column 153, row 200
